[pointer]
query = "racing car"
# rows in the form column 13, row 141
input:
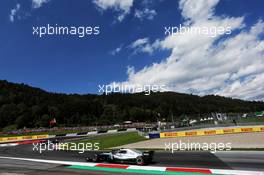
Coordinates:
column 122, row 155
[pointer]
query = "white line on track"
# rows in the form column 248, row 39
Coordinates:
column 8, row 144
column 236, row 172
column 50, row 161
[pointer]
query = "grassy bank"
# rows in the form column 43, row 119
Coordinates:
column 252, row 119
column 114, row 140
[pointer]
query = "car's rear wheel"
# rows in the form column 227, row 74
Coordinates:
column 95, row 158
column 140, row 161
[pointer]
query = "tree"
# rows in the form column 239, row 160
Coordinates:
column 32, row 107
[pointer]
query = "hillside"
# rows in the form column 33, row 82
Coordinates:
column 32, row 107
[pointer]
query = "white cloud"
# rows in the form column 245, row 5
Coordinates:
column 197, row 10
column 230, row 65
column 116, row 50
column 38, row 3
column 143, row 45
column 146, row 13
column 139, row 42
column 122, row 6
column 13, row 12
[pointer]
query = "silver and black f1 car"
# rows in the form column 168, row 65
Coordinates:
column 124, row 156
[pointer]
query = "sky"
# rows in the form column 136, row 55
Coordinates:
column 132, row 46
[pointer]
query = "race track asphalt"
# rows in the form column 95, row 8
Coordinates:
column 239, row 160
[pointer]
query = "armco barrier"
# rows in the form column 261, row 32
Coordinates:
column 92, row 133
column 131, row 129
column 71, row 135
column 61, row 135
column 210, row 132
column 21, row 138
column 82, row 133
column 112, row 131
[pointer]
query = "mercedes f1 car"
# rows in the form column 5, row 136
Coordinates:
column 131, row 156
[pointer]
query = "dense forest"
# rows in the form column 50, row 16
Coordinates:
column 25, row 106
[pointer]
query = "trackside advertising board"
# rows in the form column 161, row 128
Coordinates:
column 21, row 138
column 211, row 132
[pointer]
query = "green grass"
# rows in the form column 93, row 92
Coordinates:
column 114, row 140
column 9, row 128
column 252, row 119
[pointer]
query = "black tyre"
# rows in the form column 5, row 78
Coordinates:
column 140, row 161
column 95, row 158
